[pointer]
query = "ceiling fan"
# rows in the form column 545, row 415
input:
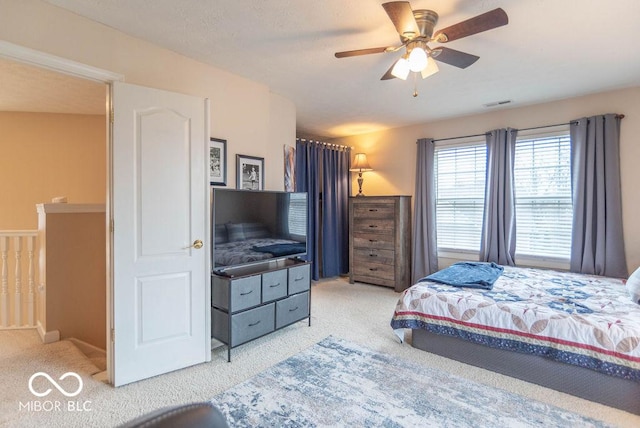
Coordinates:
column 416, row 30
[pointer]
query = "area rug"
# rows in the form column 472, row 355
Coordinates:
column 337, row 383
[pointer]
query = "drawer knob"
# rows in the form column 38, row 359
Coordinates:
column 299, row 278
column 373, row 210
column 373, row 226
column 294, row 309
column 373, row 255
column 274, row 285
column 248, row 292
column 373, row 240
column 373, row 269
column 254, row 324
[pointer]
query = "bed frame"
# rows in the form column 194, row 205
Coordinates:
column 581, row 382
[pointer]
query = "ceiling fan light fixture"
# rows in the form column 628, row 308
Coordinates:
column 401, row 69
column 430, row 69
column 418, row 59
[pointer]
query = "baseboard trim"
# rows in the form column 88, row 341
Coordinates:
column 87, row 348
column 47, row 336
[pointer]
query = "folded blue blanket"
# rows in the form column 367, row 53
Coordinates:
column 468, row 274
column 282, row 249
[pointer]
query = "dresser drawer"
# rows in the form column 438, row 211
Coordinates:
column 299, row 278
column 376, row 270
column 373, row 240
column 245, row 292
column 374, row 255
column 373, row 210
column 245, row 325
column 387, row 282
column 292, row 309
column 274, row 285
column 384, row 226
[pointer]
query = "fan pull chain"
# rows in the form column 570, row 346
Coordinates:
column 415, row 85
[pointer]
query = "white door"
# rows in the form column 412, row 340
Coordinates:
column 159, row 206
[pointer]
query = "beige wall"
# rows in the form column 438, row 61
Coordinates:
column 392, row 153
column 252, row 119
column 74, row 247
column 48, row 155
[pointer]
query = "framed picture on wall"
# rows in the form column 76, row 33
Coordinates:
column 218, row 162
column 249, row 172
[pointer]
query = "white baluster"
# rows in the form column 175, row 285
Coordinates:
column 17, row 312
column 31, row 303
column 4, row 284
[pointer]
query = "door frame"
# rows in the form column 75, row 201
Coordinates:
column 66, row 66
column 73, row 68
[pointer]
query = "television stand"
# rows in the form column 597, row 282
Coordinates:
column 252, row 301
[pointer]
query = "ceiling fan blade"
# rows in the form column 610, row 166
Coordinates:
column 358, row 52
column 487, row 21
column 388, row 75
column 401, row 15
column 453, row 57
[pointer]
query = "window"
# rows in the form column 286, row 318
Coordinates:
column 297, row 220
column 542, row 175
column 460, row 181
column 544, row 211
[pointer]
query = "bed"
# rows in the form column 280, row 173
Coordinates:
column 578, row 334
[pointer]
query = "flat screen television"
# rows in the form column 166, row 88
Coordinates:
column 250, row 227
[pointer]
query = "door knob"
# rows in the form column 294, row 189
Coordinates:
column 197, row 244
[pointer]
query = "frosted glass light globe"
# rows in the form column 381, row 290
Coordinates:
column 417, row 59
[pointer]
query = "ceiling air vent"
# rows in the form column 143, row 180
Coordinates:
column 497, row 103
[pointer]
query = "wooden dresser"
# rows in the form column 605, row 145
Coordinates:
column 380, row 240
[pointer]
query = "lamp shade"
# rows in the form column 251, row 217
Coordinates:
column 360, row 163
column 431, row 68
column 401, row 69
column 418, row 59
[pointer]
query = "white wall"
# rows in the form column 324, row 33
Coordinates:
column 253, row 120
column 392, row 153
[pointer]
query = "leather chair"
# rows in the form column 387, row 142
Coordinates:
column 195, row 415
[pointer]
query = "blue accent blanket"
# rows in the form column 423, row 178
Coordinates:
column 468, row 274
column 282, row 249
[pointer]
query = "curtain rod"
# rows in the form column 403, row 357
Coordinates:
column 618, row 116
column 340, row 146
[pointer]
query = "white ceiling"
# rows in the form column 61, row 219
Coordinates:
column 551, row 49
column 31, row 89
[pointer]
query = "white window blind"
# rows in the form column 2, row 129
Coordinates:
column 460, row 181
column 297, row 214
column 543, row 197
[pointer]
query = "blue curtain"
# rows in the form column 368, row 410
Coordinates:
column 425, row 248
column 323, row 172
column 597, row 242
column 335, row 205
column 498, row 243
column 307, row 180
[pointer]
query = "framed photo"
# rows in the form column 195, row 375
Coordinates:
column 249, row 173
column 218, row 162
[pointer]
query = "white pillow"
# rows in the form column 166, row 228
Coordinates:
column 633, row 286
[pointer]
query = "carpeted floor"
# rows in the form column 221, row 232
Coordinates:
column 338, row 383
column 358, row 313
